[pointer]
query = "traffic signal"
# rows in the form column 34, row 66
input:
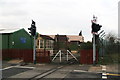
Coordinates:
column 32, row 29
column 95, row 27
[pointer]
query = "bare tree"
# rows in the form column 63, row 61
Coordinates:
column 112, row 43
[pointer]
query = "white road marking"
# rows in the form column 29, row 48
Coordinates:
column 104, row 74
column 104, row 77
column 17, row 67
column 79, row 71
column 59, row 67
column 24, row 67
column 103, row 68
column 85, row 71
column 7, row 68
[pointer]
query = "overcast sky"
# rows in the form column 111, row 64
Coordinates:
column 60, row 16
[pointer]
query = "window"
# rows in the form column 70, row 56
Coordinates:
column 41, row 43
column 49, row 44
column 38, row 42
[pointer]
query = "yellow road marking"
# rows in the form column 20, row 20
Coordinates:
column 113, row 74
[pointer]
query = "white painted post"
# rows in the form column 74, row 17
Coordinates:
column 67, row 56
column 60, row 55
column 56, row 55
column 72, row 55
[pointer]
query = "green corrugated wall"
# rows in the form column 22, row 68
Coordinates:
column 17, row 40
column 5, row 41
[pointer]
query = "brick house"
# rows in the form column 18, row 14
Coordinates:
column 53, row 43
column 44, row 42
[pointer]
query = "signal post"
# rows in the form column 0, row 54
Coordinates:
column 33, row 33
column 95, row 28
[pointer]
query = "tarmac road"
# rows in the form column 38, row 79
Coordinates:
column 65, row 73
column 69, row 72
column 13, row 71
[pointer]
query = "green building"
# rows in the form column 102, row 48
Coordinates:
column 16, row 43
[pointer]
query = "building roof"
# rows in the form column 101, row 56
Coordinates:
column 72, row 38
column 46, row 37
column 3, row 31
column 61, row 37
column 52, row 36
column 75, row 38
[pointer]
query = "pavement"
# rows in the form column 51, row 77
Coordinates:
column 109, row 68
column 11, row 63
column 113, row 68
column 95, row 69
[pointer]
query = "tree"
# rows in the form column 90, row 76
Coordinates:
column 112, row 43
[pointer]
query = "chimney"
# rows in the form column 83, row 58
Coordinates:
column 80, row 34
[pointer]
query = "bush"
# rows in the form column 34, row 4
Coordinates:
column 73, row 46
column 111, row 59
column 86, row 46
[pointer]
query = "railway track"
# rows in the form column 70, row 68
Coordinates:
column 50, row 71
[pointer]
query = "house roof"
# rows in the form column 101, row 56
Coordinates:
column 3, row 31
column 72, row 38
column 46, row 37
column 61, row 37
column 75, row 38
column 52, row 36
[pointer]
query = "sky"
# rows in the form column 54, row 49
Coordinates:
column 64, row 17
